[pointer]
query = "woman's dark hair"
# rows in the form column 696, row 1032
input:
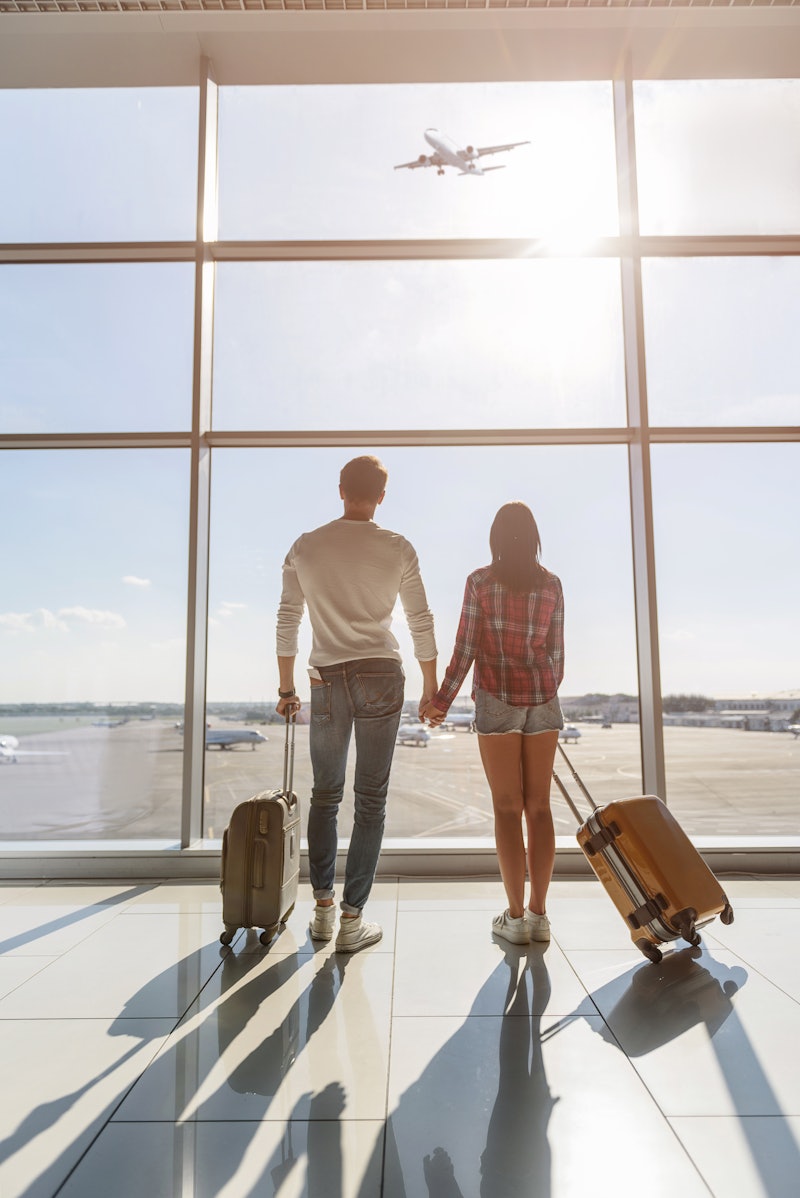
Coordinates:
column 515, row 544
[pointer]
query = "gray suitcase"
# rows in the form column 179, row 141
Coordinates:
column 261, row 857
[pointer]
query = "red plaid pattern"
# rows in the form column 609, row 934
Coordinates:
column 515, row 640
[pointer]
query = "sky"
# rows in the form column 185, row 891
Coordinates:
column 93, row 590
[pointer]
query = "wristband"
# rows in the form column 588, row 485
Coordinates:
column 286, row 694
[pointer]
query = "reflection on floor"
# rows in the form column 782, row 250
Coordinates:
column 140, row 1059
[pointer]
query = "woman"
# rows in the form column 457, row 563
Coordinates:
column 512, row 627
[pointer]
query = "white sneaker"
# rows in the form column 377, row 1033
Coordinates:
column 515, row 930
column 538, row 925
column 321, row 926
column 355, row 934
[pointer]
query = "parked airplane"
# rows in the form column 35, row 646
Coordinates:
column 460, row 719
column 447, row 153
column 10, row 752
column 569, row 733
column 413, row 734
column 226, row 737
column 8, row 745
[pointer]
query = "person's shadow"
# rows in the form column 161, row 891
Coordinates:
column 516, row 1157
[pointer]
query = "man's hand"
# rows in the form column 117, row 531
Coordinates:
column 288, row 707
column 428, row 711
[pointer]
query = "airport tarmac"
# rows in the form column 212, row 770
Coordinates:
column 84, row 782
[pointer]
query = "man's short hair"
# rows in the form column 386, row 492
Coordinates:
column 364, row 479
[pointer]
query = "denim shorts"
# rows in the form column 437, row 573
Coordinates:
column 493, row 717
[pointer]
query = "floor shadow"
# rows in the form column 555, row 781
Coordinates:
column 66, row 921
column 508, row 1155
column 689, row 988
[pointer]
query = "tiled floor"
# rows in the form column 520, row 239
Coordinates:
column 140, row 1059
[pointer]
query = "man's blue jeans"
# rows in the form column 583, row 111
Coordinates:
column 367, row 695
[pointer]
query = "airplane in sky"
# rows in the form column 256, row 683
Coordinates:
column 226, row 737
column 447, row 153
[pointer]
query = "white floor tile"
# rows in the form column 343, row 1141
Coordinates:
column 276, row 1077
column 16, row 970
column 515, row 1104
column 707, row 1035
column 745, row 1158
column 136, row 965
column 319, row 1159
column 268, row 1034
column 453, row 965
column 767, row 941
column 62, row 1080
column 40, row 928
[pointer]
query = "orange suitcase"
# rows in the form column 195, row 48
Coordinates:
column 652, row 872
column 261, row 858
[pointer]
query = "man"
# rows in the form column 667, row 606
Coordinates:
column 350, row 573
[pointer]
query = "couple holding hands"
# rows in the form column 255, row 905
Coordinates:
column 349, row 574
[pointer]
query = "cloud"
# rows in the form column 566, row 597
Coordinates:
column 18, row 621
column 132, row 581
column 86, row 615
column 227, row 609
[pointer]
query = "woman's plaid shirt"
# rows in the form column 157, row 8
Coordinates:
column 515, row 640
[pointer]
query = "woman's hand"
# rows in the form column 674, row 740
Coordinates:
column 288, row 707
column 432, row 714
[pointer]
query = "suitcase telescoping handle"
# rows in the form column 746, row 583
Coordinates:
column 288, row 757
column 564, row 791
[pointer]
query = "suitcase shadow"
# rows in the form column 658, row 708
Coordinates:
column 691, row 989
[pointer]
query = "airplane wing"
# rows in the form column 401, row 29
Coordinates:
column 512, row 145
column 423, row 160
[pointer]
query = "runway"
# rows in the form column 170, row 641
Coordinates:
column 77, row 781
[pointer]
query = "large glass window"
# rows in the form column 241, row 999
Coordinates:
column 318, row 162
column 92, row 639
column 471, row 344
column 721, row 340
column 714, row 156
column 444, row 501
column 102, row 347
column 728, row 571
column 100, row 164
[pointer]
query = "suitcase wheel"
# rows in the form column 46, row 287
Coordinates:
column 268, row 933
column 650, row 950
column 227, row 936
column 727, row 914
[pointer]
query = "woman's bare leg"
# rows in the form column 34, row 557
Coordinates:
column 502, row 762
column 538, row 755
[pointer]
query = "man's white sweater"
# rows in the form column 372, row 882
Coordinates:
column 350, row 573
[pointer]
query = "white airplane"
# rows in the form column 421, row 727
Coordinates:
column 447, row 153
column 413, row 734
column 225, row 737
column 10, row 752
column 569, row 733
column 8, row 745
column 460, row 719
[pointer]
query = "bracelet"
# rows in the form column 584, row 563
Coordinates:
column 286, row 694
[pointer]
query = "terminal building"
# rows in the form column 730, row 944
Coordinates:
column 216, row 287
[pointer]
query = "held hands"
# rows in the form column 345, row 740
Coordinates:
column 431, row 714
